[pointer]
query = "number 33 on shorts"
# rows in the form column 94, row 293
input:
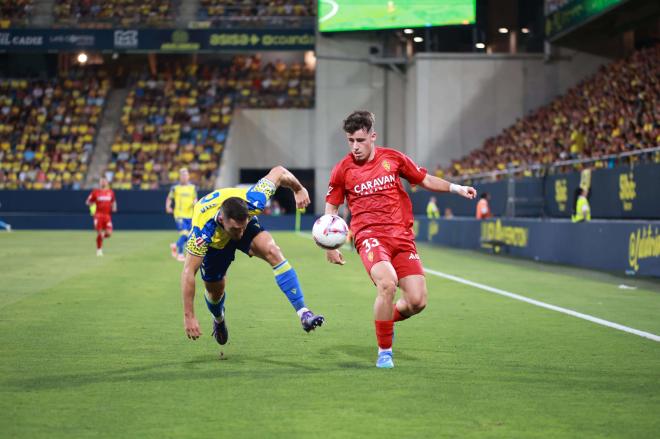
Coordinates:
column 371, row 252
column 370, row 243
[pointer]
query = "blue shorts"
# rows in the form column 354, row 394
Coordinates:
column 183, row 224
column 216, row 261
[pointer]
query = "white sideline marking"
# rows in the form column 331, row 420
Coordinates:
column 333, row 11
column 569, row 312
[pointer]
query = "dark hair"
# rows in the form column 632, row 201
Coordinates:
column 234, row 208
column 360, row 119
column 484, row 195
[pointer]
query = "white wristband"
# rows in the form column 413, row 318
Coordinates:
column 455, row 188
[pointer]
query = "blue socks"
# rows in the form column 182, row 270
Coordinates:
column 180, row 243
column 216, row 308
column 287, row 280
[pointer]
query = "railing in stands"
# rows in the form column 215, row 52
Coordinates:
column 540, row 169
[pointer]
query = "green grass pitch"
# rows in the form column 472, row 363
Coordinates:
column 94, row 347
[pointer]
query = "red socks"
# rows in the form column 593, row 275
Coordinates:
column 99, row 241
column 397, row 316
column 385, row 329
column 384, row 332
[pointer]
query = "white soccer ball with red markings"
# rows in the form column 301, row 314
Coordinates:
column 330, row 232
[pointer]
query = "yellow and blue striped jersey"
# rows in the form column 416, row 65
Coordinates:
column 206, row 231
column 184, row 196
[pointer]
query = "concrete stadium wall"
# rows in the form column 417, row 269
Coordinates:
column 572, row 67
column 265, row 138
column 456, row 101
column 345, row 81
column 394, row 132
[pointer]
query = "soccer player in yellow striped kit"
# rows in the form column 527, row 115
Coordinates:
column 225, row 221
column 184, row 196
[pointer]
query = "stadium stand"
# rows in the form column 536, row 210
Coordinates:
column 613, row 112
column 255, row 13
column 181, row 117
column 174, row 119
column 48, row 129
column 106, row 13
column 273, row 85
column 15, row 12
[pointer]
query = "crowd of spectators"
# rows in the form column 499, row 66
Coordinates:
column 613, row 112
column 256, row 12
column 181, row 116
column 15, row 12
column 272, row 84
column 178, row 118
column 108, row 13
column 48, row 128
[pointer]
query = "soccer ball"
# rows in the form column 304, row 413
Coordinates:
column 330, row 232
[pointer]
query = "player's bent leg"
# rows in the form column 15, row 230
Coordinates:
column 384, row 276
column 414, row 296
column 263, row 246
column 99, row 243
column 215, row 302
column 173, row 245
column 215, row 290
column 180, row 245
column 107, row 228
column 214, row 266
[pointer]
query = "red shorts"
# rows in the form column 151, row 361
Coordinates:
column 400, row 252
column 103, row 222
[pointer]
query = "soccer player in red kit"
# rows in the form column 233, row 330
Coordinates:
column 369, row 179
column 105, row 203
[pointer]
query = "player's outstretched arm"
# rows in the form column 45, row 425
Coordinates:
column 281, row 176
column 333, row 256
column 436, row 184
column 168, row 204
column 190, row 323
column 91, row 202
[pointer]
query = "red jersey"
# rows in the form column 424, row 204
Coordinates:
column 104, row 199
column 378, row 202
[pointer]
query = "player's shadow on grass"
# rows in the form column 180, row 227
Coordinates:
column 239, row 366
column 256, row 361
